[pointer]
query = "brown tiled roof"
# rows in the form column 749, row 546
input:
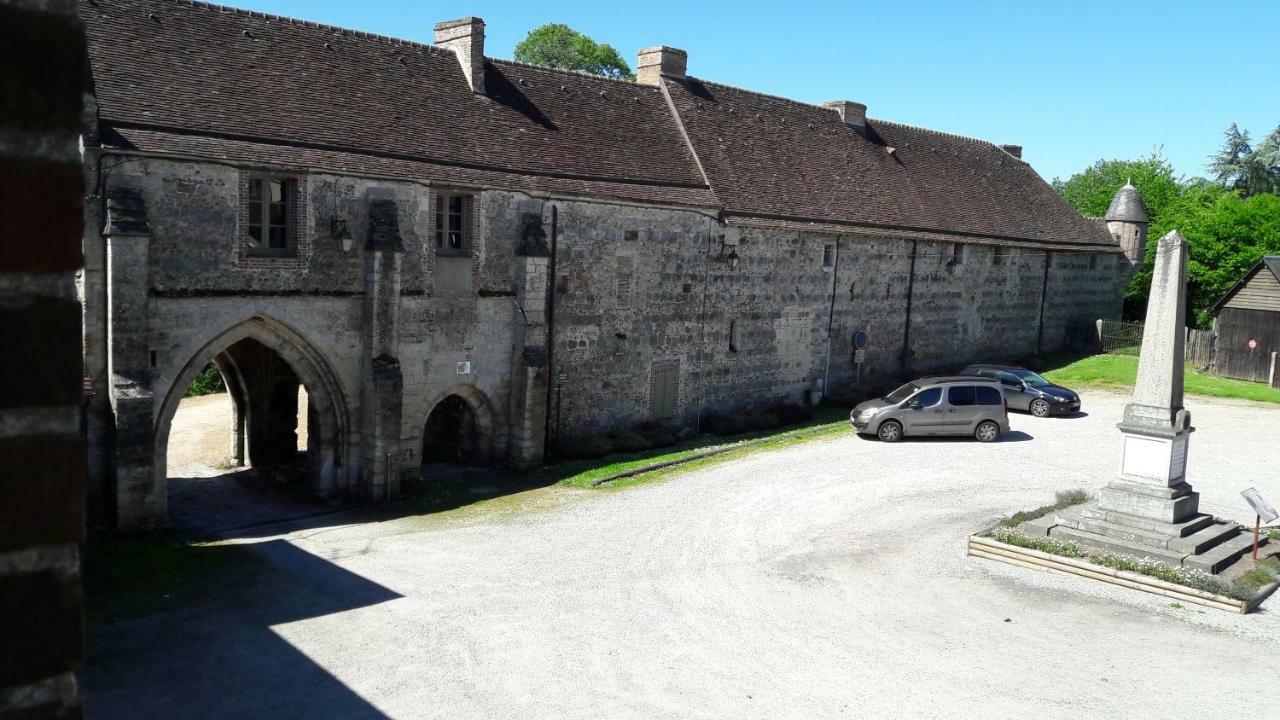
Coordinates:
column 772, row 158
column 184, row 77
column 170, row 75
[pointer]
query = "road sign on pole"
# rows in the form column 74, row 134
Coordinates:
column 860, row 339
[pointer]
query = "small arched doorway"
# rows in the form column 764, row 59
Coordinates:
column 457, row 436
column 451, row 434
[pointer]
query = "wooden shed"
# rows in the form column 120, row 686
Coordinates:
column 1247, row 324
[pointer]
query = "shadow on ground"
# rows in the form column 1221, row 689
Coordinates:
column 185, row 631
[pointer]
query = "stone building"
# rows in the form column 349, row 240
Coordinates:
column 437, row 244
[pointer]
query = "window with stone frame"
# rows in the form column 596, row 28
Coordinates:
column 270, row 225
column 453, row 222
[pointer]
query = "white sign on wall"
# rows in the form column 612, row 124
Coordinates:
column 464, row 367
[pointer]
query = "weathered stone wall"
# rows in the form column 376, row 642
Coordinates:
column 41, row 447
column 643, row 297
column 667, row 295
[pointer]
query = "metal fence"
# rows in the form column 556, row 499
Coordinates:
column 1122, row 338
column 1119, row 338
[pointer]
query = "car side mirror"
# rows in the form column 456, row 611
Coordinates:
column 913, row 404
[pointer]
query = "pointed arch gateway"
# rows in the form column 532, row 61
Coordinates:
column 458, row 427
column 329, row 422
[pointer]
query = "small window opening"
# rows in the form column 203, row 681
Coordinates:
column 268, row 225
column 453, row 226
column 1093, row 260
column 1001, row 253
column 733, row 336
column 828, row 256
column 631, row 235
column 562, row 283
column 957, row 254
column 153, row 358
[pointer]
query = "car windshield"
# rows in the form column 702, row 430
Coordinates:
column 1031, row 378
column 901, row 393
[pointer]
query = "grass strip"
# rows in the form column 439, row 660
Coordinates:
column 1121, row 371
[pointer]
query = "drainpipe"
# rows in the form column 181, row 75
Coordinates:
column 1044, row 292
column 831, row 317
column 906, row 329
column 551, row 335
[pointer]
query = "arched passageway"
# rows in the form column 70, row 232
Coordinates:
column 457, row 436
column 280, row 424
column 450, row 435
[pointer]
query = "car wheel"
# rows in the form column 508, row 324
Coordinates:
column 1040, row 408
column 987, row 431
column 890, row 431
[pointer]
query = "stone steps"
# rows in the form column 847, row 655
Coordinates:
column 1219, row 557
column 1116, row 545
column 1203, row 540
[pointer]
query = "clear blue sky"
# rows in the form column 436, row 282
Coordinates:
column 1071, row 81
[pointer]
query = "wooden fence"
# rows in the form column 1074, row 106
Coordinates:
column 1202, row 352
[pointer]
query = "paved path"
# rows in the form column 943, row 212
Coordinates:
column 823, row 580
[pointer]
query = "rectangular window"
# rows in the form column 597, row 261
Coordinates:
column 961, row 395
column 733, row 336
column 1001, row 253
column 666, row 390
column 624, row 281
column 989, row 396
column 453, row 223
column 1093, row 260
column 957, row 254
column 269, row 211
column 828, row 256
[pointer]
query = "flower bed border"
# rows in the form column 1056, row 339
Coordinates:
column 992, row 549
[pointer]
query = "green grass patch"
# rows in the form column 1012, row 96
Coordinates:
column 1062, row 501
column 134, row 576
column 1120, row 372
column 1185, row 577
column 585, row 473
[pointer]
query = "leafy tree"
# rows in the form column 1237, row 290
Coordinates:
column 1091, row 191
column 560, row 46
column 1227, row 231
column 208, row 382
column 1240, row 166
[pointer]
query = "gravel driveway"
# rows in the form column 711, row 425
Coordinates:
column 822, row 580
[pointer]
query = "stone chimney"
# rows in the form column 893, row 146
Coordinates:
column 853, row 114
column 1014, row 150
column 465, row 37
column 652, row 63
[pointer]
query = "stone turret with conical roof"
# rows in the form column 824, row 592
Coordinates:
column 1127, row 221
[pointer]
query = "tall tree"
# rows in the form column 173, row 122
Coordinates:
column 1240, row 166
column 560, row 46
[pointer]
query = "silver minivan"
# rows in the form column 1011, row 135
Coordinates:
column 954, row 405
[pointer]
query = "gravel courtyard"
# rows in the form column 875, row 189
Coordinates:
column 827, row 579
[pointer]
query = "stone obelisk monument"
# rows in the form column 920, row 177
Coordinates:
column 1149, row 509
column 1156, row 427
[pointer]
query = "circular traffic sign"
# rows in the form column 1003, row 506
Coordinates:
column 860, row 339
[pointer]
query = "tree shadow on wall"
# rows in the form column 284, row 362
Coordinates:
column 185, row 631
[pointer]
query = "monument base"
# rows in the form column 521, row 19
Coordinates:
column 1198, row 541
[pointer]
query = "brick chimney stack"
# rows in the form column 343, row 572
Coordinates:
column 1014, row 150
column 853, row 114
column 465, row 37
column 652, row 63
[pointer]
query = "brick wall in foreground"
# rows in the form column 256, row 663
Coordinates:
column 41, row 452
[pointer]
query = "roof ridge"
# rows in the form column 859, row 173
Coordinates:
column 819, row 106
column 944, row 133
column 257, row 14
column 564, row 71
